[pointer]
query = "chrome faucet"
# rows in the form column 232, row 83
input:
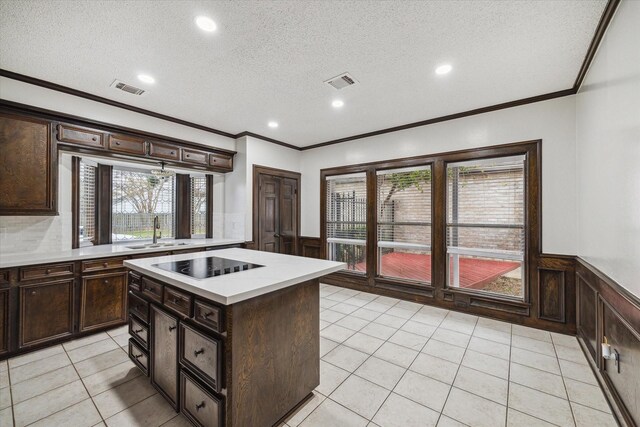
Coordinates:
column 156, row 227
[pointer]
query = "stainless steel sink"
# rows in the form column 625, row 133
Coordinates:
column 158, row 245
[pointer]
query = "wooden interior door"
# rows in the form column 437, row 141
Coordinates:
column 277, row 213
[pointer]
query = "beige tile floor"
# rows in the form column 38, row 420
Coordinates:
column 384, row 362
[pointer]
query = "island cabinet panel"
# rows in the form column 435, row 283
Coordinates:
column 46, row 312
column 201, row 407
column 275, row 354
column 164, row 354
column 4, row 320
column 139, row 332
column 139, row 356
column 245, row 364
column 103, row 301
column 28, row 166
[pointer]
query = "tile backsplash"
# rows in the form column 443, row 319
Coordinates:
column 35, row 234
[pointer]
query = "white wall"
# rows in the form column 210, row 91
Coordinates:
column 608, row 153
column 264, row 153
column 552, row 121
column 24, row 93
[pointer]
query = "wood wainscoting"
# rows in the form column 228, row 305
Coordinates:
column 606, row 309
column 309, row 247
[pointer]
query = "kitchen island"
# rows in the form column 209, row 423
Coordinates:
column 229, row 337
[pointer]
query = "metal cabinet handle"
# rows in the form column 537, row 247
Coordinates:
column 177, row 301
column 105, row 265
column 33, row 292
column 137, row 331
column 94, row 139
column 137, row 356
column 47, row 271
column 199, row 405
column 171, row 328
column 277, row 235
column 197, row 352
column 207, row 314
column 105, row 281
column 117, row 142
column 173, row 152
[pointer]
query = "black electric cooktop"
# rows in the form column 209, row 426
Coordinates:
column 202, row 268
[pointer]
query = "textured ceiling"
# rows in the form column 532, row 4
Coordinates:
column 268, row 60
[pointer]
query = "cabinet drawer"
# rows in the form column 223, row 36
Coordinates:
column 177, row 301
column 127, row 144
column 139, row 331
column 139, row 356
column 202, row 354
column 164, row 151
column 46, row 271
column 79, row 135
column 151, row 289
column 202, row 408
column 139, row 307
column 195, row 156
column 221, row 161
column 208, row 316
column 102, row 264
column 135, row 281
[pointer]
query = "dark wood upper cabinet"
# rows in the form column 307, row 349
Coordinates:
column 28, row 166
column 222, row 161
column 80, row 135
column 46, row 311
column 162, row 150
column 104, row 300
column 195, row 156
column 127, row 144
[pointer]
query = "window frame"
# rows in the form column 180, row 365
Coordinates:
column 438, row 288
column 104, row 177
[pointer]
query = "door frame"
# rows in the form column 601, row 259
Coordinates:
column 281, row 173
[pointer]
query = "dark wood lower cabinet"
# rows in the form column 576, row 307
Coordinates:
column 164, row 354
column 104, row 301
column 244, row 364
column 46, row 311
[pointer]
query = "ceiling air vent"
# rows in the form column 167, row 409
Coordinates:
column 341, row 81
column 126, row 88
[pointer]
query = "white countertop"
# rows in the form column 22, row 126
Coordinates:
column 279, row 271
column 104, row 251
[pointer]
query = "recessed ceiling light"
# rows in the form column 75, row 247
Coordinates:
column 337, row 103
column 206, row 24
column 273, row 124
column 145, row 78
column 443, row 69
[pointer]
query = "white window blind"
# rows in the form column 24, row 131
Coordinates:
column 198, row 206
column 486, row 224
column 403, row 210
column 346, row 220
column 87, row 220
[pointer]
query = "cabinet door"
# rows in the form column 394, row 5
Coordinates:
column 46, row 312
column 164, row 354
column 4, row 320
column 104, row 300
column 28, row 167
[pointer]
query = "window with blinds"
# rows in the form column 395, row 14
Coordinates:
column 87, row 198
column 346, row 220
column 198, row 206
column 404, row 223
column 138, row 196
column 486, row 225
